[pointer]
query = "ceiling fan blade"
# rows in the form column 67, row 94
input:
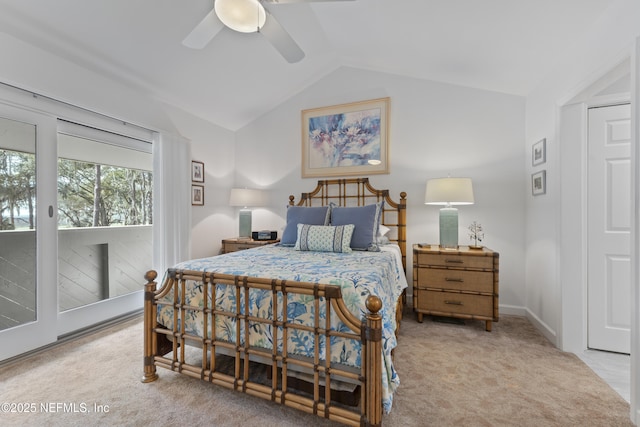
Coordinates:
column 204, row 32
column 281, row 40
column 300, row 1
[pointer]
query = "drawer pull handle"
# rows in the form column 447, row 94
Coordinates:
column 453, row 302
column 449, row 279
column 454, row 261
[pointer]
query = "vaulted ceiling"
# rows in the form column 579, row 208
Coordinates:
column 500, row 45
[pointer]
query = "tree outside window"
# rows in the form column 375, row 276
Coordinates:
column 89, row 194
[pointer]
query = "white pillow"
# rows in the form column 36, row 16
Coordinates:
column 382, row 238
column 383, row 230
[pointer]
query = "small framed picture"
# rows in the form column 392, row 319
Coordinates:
column 197, row 171
column 539, row 183
column 197, row 195
column 539, row 152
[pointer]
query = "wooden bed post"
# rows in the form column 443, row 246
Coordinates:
column 150, row 323
column 402, row 229
column 373, row 359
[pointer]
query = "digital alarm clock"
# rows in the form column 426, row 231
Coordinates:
column 264, row 235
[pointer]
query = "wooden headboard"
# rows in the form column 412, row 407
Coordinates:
column 358, row 192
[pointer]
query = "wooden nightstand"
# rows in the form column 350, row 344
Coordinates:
column 461, row 283
column 237, row 244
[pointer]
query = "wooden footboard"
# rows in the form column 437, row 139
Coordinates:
column 242, row 373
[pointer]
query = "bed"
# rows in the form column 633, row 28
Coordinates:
column 310, row 322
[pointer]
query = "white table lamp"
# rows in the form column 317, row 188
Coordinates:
column 246, row 198
column 449, row 192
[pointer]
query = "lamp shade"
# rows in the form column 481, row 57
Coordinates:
column 246, row 197
column 245, row 16
column 449, row 191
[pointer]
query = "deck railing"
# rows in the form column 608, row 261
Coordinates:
column 94, row 263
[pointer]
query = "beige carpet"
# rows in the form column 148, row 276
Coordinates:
column 452, row 375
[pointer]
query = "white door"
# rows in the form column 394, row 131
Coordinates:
column 609, row 221
column 27, row 231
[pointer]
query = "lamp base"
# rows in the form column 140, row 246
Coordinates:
column 244, row 230
column 449, row 228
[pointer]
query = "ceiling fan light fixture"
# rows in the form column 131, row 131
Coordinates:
column 245, row 16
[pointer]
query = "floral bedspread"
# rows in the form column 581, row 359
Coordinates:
column 358, row 273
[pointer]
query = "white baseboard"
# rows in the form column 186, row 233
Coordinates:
column 513, row 310
column 549, row 333
column 544, row 329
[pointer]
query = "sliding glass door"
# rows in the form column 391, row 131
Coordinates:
column 75, row 225
column 27, row 231
column 104, row 224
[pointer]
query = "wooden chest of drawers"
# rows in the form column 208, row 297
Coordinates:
column 460, row 283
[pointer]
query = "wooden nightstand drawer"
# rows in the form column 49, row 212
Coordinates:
column 456, row 260
column 233, row 245
column 447, row 303
column 461, row 280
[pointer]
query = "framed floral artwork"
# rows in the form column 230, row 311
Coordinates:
column 346, row 139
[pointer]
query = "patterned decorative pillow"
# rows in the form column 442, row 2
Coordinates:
column 324, row 238
column 317, row 215
column 367, row 221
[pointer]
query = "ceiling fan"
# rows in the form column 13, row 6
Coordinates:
column 247, row 16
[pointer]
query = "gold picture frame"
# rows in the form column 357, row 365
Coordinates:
column 346, row 139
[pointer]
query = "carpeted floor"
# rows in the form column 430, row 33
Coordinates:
column 451, row 375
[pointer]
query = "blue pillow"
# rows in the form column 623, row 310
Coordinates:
column 367, row 221
column 302, row 215
column 324, row 238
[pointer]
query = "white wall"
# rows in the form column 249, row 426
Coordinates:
column 556, row 248
column 28, row 67
column 435, row 129
column 554, row 276
column 215, row 147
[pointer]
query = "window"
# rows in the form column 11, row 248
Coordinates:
column 17, row 223
column 104, row 214
column 98, row 195
column 17, row 190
